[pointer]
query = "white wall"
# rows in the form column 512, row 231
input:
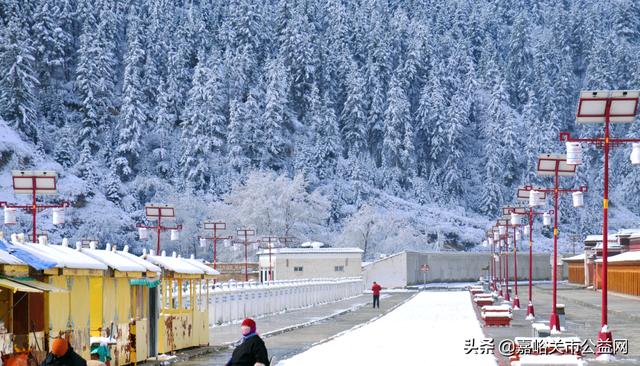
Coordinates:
column 389, row 272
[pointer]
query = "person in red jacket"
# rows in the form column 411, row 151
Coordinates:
column 376, row 294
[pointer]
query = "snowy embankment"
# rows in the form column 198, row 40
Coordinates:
column 431, row 328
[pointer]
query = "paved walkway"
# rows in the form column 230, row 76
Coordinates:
column 280, row 344
column 582, row 318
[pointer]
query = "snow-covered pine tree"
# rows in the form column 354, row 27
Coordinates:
column 18, row 80
column 353, row 118
column 134, row 110
column 275, row 116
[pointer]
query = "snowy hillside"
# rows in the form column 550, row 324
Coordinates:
column 385, row 124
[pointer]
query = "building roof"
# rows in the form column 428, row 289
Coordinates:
column 174, row 264
column 198, row 263
column 62, row 255
column 134, row 258
column 311, row 251
column 575, row 258
column 6, row 258
column 113, row 260
column 25, row 256
column 598, row 238
column 623, row 257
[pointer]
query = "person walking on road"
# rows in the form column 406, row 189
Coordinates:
column 251, row 351
column 376, row 294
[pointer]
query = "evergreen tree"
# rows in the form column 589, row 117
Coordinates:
column 353, row 118
column 397, row 116
column 134, row 110
column 275, row 116
column 19, row 81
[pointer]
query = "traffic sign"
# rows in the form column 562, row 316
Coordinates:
column 424, row 268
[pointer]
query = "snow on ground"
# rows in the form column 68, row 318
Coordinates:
column 431, row 328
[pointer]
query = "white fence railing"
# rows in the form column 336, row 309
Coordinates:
column 233, row 301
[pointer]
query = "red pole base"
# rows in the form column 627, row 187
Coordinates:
column 604, row 349
column 506, row 296
column 554, row 323
column 516, row 303
column 531, row 315
column 500, row 293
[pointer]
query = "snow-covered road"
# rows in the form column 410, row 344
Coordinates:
column 430, row 329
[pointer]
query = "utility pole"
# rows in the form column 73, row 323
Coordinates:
column 270, row 241
column 214, row 226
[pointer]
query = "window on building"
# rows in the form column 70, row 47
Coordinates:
column 338, row 268
column 297, row 269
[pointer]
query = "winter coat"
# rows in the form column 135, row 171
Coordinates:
column 69, row 359
column 376, row 289
column 250, row 351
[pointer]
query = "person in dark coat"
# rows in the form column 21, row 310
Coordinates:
column 251, row 351
column 62, row 354
column 376, row 294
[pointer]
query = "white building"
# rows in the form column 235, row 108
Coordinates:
column 310, row 262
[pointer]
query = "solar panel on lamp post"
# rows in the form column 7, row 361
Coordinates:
column 523, row 195
column 246, row 233
column 606, row 107
column 34, row 183
column 157, row 212
column 555, row 165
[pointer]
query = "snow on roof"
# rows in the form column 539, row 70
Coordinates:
column 6, row 258
column 64, row 256
column 134, row 258
column 623, row 257
column 178, row 265
column 598, row 238
column 113, row 260
column 312, row 244
column 575, row 258
column 312, row 250
column 207, row 270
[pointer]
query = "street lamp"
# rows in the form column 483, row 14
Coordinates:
column 554, row 165
column 270, row 242
column 157, row 212
column 515, row 213
column 502, row 225
column 34, row 183
column 213, row 226
column 619, row 106
column 246, row 233
column 523, row 195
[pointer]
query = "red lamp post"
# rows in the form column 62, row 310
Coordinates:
column 214, row 226
column 555, row 166
column 518, row 211
column 522, row 195
column 504, row 223
column 34, row 183
column 605, row 107
column 271, row 243
column 158, row 212
column 246, row 233
column 492, row 272
column 498, row 271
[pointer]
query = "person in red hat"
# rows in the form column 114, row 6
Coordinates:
column 62, row 354
column 251, row 351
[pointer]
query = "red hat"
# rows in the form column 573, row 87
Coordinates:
column 59, row 347
column 248, row 322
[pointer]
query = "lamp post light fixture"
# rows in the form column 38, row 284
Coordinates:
column 214, row 226
column 34, row 183
column 619, row 106
column 523, row 195
column 157, row 212
column 554, row 165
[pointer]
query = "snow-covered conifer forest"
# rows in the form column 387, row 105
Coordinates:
column 387, row 124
